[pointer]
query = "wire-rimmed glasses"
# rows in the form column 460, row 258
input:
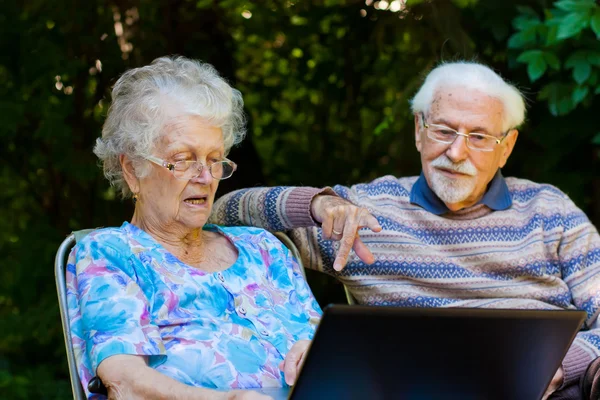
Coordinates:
column 186, row 170
column 475, row 140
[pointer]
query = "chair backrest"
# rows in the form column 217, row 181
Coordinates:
column 61, row 287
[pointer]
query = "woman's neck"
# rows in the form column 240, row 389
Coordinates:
column 188, row 245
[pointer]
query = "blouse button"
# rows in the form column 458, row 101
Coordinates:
column 221, row 278
column 242, row 311
column 264, row 332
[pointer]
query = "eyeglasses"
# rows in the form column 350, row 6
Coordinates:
column 186, row 170
column 475, row 140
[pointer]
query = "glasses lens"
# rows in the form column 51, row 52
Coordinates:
column 184, row 169
column 221, row 170
column 442, row 134
column 481, row 142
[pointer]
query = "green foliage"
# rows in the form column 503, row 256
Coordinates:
column 326, row 86
column 569, row 31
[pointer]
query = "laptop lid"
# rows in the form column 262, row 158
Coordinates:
column 362, row 352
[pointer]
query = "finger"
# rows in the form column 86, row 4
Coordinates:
column 281, row 365
column 362, row 251
column 346, row 243
column 337, row 231
column 256, row 396
column 291, row 365
column 369, row 221
column 327, row 226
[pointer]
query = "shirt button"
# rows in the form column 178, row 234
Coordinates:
column 264, row 333
column 242, row 310
column 221, row 278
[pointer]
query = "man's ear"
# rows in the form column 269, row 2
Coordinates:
column 129, row 173
column 418, row 127
column 507, row 146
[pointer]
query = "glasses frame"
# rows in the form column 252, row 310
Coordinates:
column 465, row 135
column 171, row 167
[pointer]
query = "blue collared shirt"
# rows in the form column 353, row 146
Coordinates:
column 497, row 197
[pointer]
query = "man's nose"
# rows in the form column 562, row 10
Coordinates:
column 458, row 150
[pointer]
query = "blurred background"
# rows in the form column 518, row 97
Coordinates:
column 326, row 85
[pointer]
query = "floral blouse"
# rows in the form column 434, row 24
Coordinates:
column 230, row 329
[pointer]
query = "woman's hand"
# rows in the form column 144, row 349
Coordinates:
column 246, row 395
column 293, row 361
column 557, row 380
column 341, row 220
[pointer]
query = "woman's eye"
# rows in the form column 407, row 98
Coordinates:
column 476, row 137
column 446, row 132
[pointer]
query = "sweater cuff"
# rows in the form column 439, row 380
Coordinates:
column 297, row 205
column 574, row 364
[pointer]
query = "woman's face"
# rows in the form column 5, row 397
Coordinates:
column 171, row 204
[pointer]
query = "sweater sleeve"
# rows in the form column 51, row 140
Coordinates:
column 275, row 209
column 579, row 257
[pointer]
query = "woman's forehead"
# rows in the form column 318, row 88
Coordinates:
column 190, row 132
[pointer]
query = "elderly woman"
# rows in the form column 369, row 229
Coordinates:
column 166, row 306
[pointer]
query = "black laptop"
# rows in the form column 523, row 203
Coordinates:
column 373, row 353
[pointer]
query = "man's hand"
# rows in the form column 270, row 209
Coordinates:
column 555, row 383
column 293, row 361
column 341, row 220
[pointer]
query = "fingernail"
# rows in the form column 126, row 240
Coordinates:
column 337, row 266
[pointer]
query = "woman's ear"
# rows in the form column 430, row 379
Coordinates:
column 129, row 173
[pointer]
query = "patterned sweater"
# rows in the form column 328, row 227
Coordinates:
column 542, row 252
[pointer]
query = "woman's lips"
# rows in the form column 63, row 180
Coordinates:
column 196, row 201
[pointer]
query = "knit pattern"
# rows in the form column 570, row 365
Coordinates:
column 541, row 253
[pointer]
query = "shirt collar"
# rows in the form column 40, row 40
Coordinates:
column 497, row 197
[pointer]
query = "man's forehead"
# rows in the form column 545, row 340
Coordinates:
column 459, row 104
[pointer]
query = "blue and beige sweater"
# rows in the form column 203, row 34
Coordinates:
column 529, row 247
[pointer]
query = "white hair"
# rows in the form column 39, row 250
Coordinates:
column 473, row 76
column 145, row 99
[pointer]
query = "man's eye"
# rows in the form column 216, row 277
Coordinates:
column 446, row 132
column 477, row 138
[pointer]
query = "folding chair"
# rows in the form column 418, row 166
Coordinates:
column 61, row 287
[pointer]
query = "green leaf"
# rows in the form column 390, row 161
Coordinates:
column 530, row 55
column 552, row 60
column 551, row 35
column 521, row 39
column 575, row 5
column 582, row 72
column 594, row 58
column 523, row 22
column 383, row 125
column 595, row 22
column 572, row 24
column 579, row 94
column 559, row 98
column 526, row 10
column 596, row 139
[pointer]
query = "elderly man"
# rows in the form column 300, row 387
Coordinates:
column 458, row 235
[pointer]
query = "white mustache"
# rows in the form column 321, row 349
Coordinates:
column 464, row 167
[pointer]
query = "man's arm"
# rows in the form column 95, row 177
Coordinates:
column 275, row 209
column 286, row 208
column 579, row 256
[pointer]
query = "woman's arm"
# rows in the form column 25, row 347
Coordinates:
column 128, row 377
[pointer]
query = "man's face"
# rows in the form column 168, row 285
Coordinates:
column 457, row 174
